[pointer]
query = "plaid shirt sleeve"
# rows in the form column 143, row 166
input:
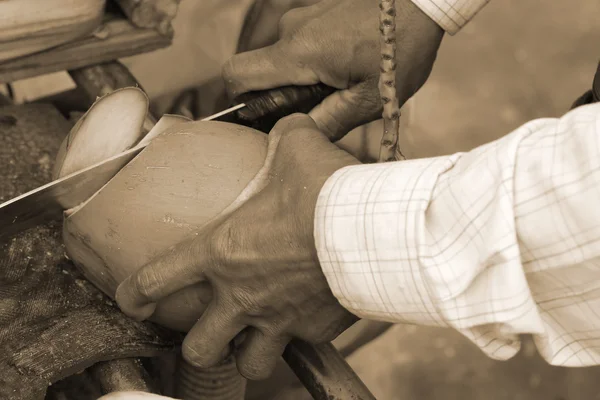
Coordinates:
column 497, row 242
column 451, row 15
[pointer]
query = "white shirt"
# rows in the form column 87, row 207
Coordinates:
column 497, row 242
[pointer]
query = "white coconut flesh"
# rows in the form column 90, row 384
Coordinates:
column 187, row 175
column 112, row 124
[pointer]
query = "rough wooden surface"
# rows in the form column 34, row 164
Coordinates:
column 53, row 323
column 29, row 26
column 117, row 38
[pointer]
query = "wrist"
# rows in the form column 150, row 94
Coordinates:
column 415, row 10
column 450, row 15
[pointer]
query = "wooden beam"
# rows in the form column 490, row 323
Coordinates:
column 117, row 38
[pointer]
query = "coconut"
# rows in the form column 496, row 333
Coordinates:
column 110, row 126
column 189, row 173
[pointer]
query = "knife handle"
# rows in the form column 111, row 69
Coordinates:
column 324, row 372
column 265, row 107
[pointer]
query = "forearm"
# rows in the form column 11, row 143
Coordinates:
column 451, row 15
column 480, row 241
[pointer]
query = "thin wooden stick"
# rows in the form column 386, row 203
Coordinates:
column 387, row 83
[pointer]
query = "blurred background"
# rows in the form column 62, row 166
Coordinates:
column 516, row 61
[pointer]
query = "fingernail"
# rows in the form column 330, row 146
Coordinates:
column 191, row 357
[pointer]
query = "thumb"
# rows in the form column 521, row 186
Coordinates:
column 267, row 68
column 347, row 109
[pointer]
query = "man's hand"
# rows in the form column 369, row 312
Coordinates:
column 336, row 42
column 260, row 260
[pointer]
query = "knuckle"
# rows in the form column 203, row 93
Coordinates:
column 273, row 330
column 299, row 137
column 223, row 244
column 287, row 22
column 282, row 28
column 295, row 47
column 293, row 121
column 230, row 72
column 229, row 69
column 186, row 254
column 272, row 325
column 244, row 301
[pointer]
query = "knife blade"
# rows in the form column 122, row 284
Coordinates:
column 47, row 202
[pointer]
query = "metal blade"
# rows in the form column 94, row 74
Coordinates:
column 224, row 113
column 49, row 201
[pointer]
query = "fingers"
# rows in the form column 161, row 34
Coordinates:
column 190, row 303
column 257, row 357
column 347, row 109
column 179, row 267
column 297, row 140
column 301, row 133
column 208, row 342
column 266, row 68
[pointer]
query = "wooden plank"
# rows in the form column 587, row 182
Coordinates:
column 117, row 38
column 30, row 26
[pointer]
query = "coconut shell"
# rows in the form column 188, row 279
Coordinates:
column 185, row 177
column 112, row 124
column 164, row 123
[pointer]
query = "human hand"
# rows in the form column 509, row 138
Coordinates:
column 336, row 42
column 260, row 25
column 260, row 260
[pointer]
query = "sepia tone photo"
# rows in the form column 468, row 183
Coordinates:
column 299, row 199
